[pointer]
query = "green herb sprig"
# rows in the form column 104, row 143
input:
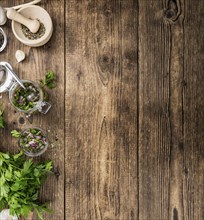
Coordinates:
column 15, row 133
column 2, row 121
column 49, row 80
column 20, row 181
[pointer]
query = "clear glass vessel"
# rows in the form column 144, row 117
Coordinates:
column 3, row 39
column 8, row 83
column 33, row 142
column 38, row 105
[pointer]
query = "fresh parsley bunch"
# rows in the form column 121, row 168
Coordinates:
column 20, row 181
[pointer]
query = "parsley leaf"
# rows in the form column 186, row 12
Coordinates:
column 15, row 133
column 2, row 121
column 49, row 80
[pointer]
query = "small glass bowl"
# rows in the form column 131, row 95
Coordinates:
column 33, row 142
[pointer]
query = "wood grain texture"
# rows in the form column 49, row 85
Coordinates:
column 167, row 116
column 101, row 110
column 155, row 129
column 37, row 62
column 127, row 119
column 193, row 181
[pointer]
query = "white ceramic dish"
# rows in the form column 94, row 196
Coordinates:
column 34, row 12
column 4, row 215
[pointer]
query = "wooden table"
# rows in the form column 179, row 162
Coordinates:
column 127, row 117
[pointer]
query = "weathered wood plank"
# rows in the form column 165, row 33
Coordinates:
column 174, row 15
column 193, row 181
column 101, row 110
column 38, row 61
column 161, row 113
column 171, row 156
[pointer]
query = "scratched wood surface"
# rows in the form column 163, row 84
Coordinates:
column 37, row 62
column 127, row 121
column 171, row 168
column 101, row 110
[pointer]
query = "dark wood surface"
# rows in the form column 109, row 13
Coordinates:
column 127, row 121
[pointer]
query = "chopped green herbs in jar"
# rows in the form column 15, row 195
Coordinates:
column 33, row 141
column 33, row 36
column 1, row 40
column 26, row 99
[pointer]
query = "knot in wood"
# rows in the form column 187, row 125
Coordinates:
column 21, row 120
column 173, row 10
column 106, row 62
column 107, row 10
column 105, row 66
column 170, row 14
column 56, row 171
column 105, row 59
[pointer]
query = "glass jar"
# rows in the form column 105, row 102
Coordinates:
column 33, row 142
column 27, row 100
column 3, row 40
column 37, row 104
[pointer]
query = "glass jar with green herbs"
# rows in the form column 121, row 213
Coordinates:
column 28, row 99
column 33, row 142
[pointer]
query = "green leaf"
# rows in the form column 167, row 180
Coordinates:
column 6, row 156
column 2, row 181
column 41, row 209
column 15, row 133
column 36, row 172
column 3, row 204
column 49, row 80
column 12, row 211
column 25, row 210
column 4, row 191
column 15, row 187
column 17, row 174
column 8, row 175
column 27, row 165
column 39, row 213
column 2, row 121
column 35, row 196
column 45, row 209
column 48, row 166
column 17, row 156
